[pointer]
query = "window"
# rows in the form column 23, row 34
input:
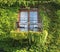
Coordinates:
column 23, row 21
column 33, row 20
column 28, row 20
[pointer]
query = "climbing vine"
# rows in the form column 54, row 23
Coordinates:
column 49, row 13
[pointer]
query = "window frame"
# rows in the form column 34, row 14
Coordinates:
column 27, row 10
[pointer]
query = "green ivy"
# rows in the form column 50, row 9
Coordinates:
column 47, row 41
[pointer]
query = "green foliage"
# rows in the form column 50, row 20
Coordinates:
column 57, row 1
column 18, row 35
column 37, row 37
column 7, row 21
column 46, row 41
column 45, row 19
column 24, row 50
column 25, row 2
